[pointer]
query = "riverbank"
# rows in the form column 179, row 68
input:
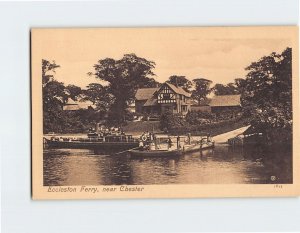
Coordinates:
column 212, row 129
column 139, row 127
column 220, row 138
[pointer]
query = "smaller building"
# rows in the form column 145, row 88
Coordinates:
column 222, row 105
column 72, row 105
column 226, row 104
column 142, row 96
column 203, row 106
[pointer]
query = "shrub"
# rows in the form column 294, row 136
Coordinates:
column 197, row 117
column 213, row 128
column 168, row 121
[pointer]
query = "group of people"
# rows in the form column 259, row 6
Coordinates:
column 104, row 131
column 148, row 141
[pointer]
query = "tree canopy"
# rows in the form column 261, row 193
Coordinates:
column 73, row 91
column 228, row 89
column 55, row 95
column 267, row 94
column 53, row 91
column 48, row 68
column 98, row 95
column 202, row 89
column 124, row 77
column 180, row 81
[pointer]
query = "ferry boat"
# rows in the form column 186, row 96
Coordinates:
column 155, row 153
column 204, row 143
column 156, row 148
column 95, row 141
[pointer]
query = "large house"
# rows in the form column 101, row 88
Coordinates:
column 167, row 97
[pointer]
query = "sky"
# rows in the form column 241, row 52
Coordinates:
column 218, row 54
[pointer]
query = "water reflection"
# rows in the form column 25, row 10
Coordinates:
column 222, row 165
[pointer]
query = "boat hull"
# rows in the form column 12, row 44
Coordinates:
column 197, row 147
column 155, row 153
column 100, row 146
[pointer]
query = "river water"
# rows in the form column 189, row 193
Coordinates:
column 221, row 165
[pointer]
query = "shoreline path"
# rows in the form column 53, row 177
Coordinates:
column 222, row 138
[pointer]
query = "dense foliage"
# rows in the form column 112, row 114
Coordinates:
column 198, row 125
column 124, row 77
column 267, row 96
column 228, row 89
column 181, row 81
column 55, row 95
column 168, row 121
column 202, row 89
column 199, row 118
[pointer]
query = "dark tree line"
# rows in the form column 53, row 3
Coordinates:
column 266, row 92
column 55, row 96
column 267, row 96
column 200, row 88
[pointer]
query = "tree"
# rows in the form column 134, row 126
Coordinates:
column 124, row 77
column 267, row 95
column 54, row 97
column 73, row 91
column 150, row 83
column 202, row 89
column 98, row 95
column 180, row 81
column 48, row 69
column 240, row 84
column 229, row 89
column 53, row 91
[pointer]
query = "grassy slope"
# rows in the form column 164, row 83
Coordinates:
column 141, row 126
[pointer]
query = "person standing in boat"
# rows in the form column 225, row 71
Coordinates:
column 178, row 142
column 143, row 139
column 189, row 138
column 141, row 144
column 155, row 141
column 170, row 144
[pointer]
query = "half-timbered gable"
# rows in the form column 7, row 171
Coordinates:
column 166, row 95
column 167, row 98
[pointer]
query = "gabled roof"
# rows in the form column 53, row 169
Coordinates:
column 71, row 102
column 178, row 90
column 225, row 101
column 145, row 93
column 151, row 102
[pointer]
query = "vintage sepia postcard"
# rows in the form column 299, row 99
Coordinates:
column 179, row 112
